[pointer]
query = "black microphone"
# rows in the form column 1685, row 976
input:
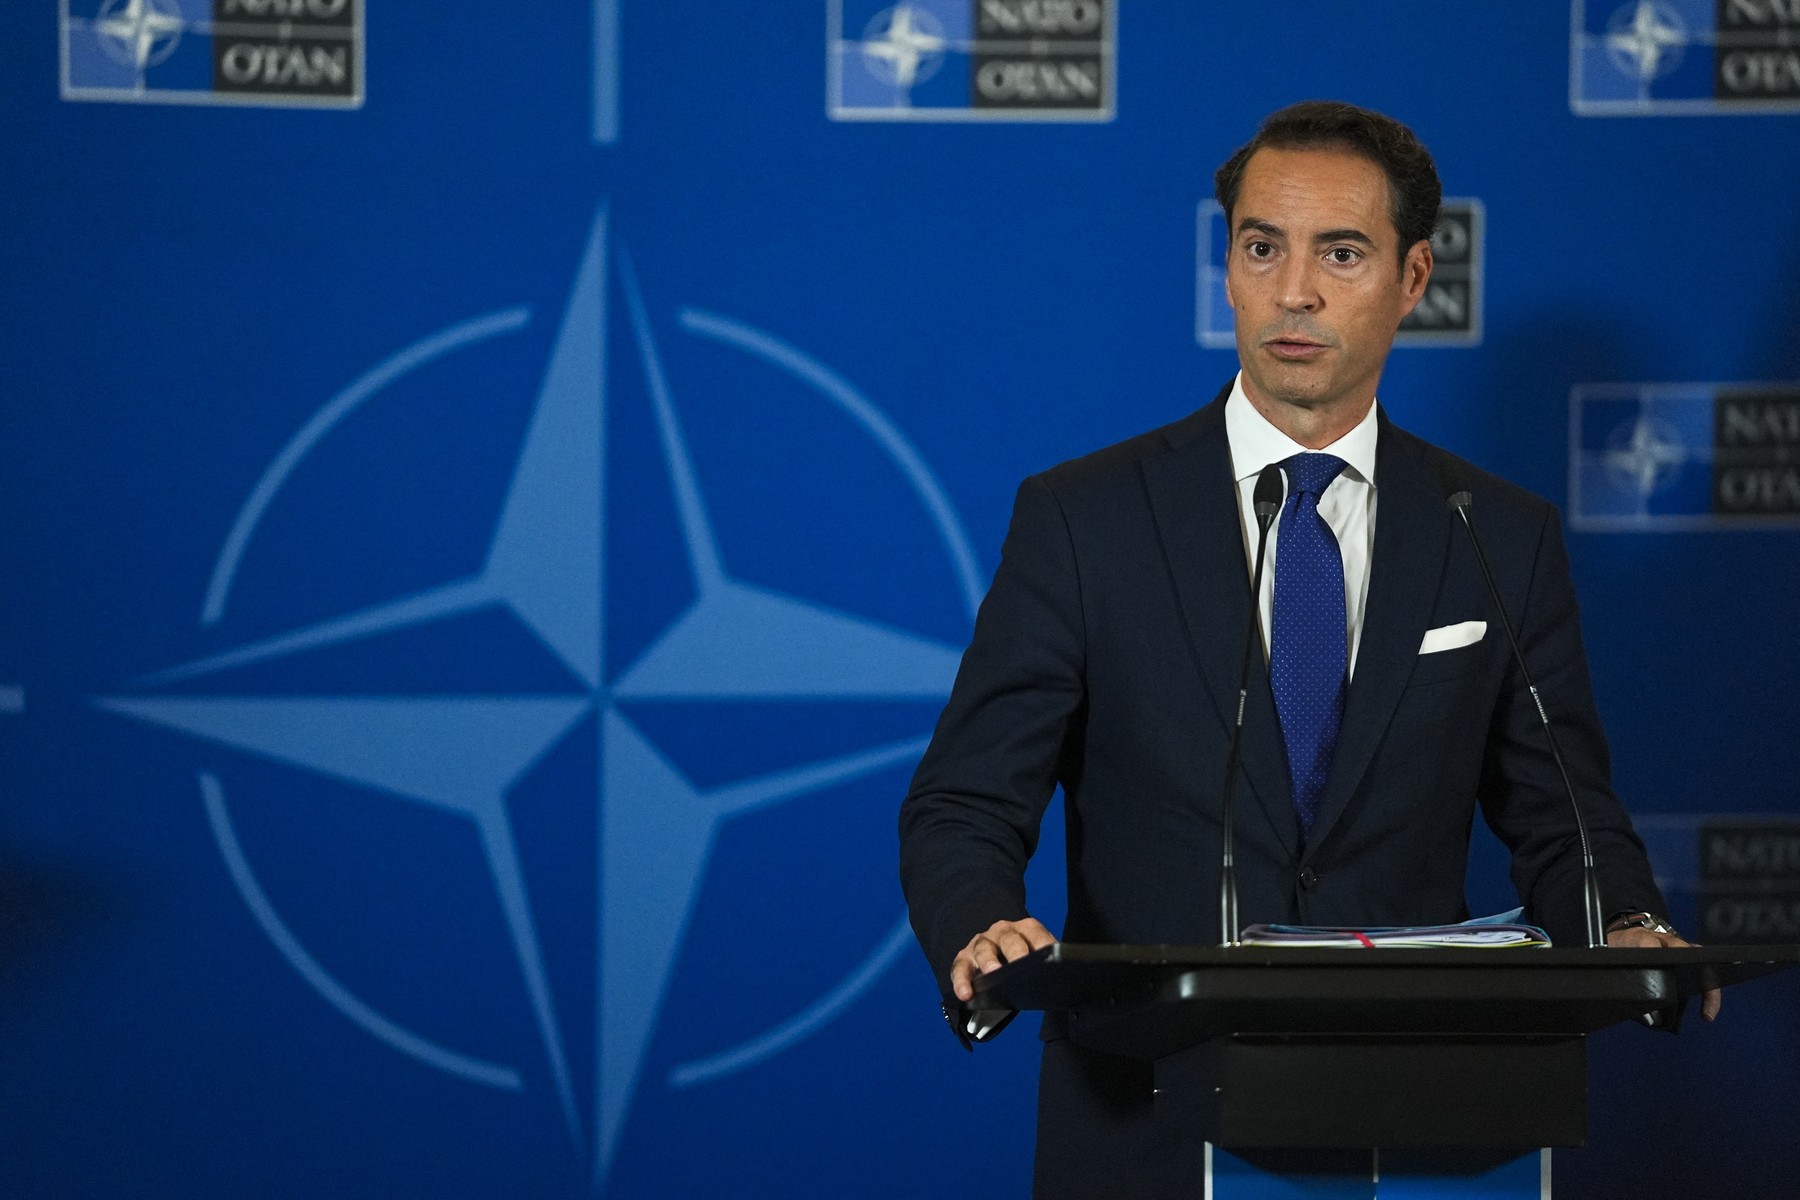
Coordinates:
column 1460, row 501
column 1265, row 502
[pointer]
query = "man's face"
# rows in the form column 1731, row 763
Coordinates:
column 1315, row 278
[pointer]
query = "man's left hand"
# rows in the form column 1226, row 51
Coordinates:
column 1636, row 938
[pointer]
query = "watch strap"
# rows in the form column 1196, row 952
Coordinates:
column 1639, row 920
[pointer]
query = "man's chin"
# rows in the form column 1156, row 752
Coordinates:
column 1300, row 385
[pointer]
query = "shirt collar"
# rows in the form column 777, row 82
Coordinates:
column 1255, row 443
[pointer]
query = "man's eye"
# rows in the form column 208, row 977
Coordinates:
column 1260, row 249
column 1343, row 256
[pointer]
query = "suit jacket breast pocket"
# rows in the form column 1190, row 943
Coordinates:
column 1445, row 665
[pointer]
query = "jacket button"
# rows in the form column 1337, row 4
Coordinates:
column 1308, row 877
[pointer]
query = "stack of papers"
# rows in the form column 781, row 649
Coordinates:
column 1484, row 934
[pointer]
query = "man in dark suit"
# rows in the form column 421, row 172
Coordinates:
column 1105, row 658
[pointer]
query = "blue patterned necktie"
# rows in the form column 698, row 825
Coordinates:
column 1308, row 653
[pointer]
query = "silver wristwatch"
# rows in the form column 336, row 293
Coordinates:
column 1639, row 920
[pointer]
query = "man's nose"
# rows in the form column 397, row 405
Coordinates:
column 1296, row 287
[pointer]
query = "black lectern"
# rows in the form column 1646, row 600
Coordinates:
column 1290, row 1048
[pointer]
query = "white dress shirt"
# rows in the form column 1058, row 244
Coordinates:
column 1348, row 504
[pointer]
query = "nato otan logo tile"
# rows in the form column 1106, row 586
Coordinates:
column 1449, row 314
column 970, row 60
column 1642, row 57
column 1659, row 457
column 257, row 52
column 1750, row 880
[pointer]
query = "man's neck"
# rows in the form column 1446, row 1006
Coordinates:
column 1314, row 427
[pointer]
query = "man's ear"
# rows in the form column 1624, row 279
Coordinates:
column 1415, row 273
column 1228, row 300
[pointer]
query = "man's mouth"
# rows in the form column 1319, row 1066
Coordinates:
column 1295, row 349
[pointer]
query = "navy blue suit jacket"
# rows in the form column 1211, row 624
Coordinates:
column 1105, row 660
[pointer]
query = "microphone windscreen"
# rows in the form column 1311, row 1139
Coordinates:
column 1267, row 498
column 1455, row 489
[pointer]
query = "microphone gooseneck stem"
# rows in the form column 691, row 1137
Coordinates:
column 1267, row 502
column 1590, row 877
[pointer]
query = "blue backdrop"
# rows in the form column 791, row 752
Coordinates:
column 494, row 496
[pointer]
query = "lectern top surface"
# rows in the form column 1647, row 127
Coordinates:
column 1445, row 956
column 1072, row 976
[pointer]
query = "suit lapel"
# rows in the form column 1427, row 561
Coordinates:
column 1194, row 501
column 1412, row 530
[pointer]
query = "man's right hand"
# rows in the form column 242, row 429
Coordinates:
column 1002, row 942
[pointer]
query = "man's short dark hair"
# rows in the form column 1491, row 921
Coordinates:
column 1414, row 193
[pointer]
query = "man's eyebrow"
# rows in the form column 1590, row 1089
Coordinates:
column 1257, row 225
column 1344, row 235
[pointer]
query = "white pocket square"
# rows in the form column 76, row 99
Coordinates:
column 1453, row 637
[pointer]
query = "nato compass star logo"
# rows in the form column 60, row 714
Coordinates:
column 903, row 45
column 1646, row 40
column 551, row 567
column 139, row 33
column 1643, row 456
